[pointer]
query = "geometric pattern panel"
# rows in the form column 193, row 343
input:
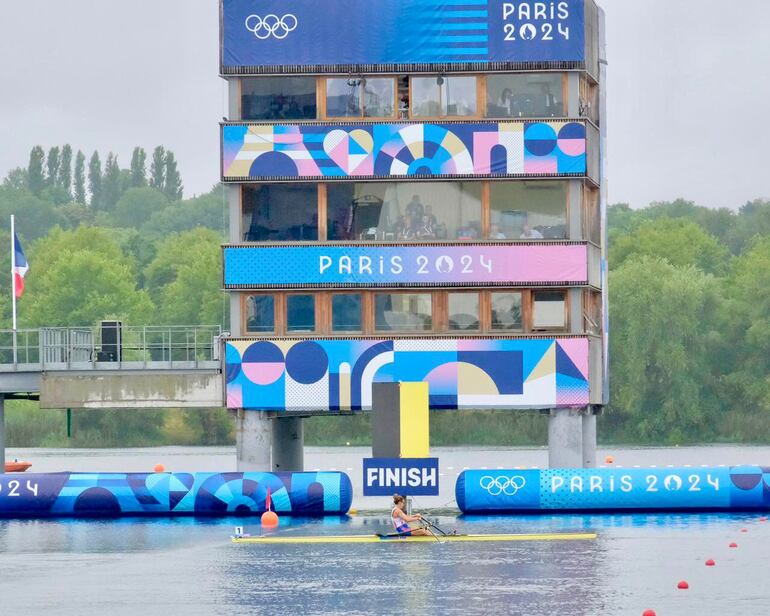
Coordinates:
column 253, row 152
column 207, row 494
column 254, row 267
column 473, row 373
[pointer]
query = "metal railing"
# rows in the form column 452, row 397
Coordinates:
column 110, row 346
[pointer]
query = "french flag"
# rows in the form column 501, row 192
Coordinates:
column 20, row 268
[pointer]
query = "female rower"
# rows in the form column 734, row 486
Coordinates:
column 401, row 519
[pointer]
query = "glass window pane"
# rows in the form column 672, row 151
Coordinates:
column 426, row 97
column 379, row 97
column 300, row 313
column 531, row 95
column 346, row 312
column 403, row 312
column 343, row 98
column 528, row 210
column 404, row 212
column 549, row 309
column 463, row 311
column 278, row 98
column 280, row 213
column 506, row 311
column 459, row 96
column 260, row 314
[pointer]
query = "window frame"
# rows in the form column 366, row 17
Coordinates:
column 323, row 90
column 532, row 302
column 413, row 332
column 564, row 95
column 479, row 99
column 240, row 95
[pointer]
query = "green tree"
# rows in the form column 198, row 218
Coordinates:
column 207, row 211
column 95, row 181
column 139, row 168
column 158, row 169
column 34, row 215
column 137, row 205
column 187, row 269
column 80, row 178
column 65, row 171
column 111, row 183
column 746, row 330
column 173, row 185
column 17, row 179
column 663, row 377
column 52, row 166
column 35, row 174
column 86, row 278
column 678, row 241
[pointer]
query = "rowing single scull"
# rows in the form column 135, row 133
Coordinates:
column 393, row 538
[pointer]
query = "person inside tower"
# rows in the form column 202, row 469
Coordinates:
column 426, row 231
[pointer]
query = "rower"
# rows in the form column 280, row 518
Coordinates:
column 401, row 519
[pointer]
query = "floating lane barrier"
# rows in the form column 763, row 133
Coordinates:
column 171, row 494
column 612, row 489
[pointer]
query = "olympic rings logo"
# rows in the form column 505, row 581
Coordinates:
column 271, row 25
column 502, row 485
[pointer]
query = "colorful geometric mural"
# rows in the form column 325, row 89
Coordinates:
column 251, row 267
column 317, row 375
column 212, row 494
column 477, row 149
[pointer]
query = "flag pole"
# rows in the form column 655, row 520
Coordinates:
column 13, row 282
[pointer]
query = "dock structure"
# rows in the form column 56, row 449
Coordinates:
column 418, row 196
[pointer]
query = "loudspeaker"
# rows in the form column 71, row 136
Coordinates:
column 112, row 341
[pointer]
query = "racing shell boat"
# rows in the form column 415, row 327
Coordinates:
column 396, row 538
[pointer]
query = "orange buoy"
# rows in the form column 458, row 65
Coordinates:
column 710, row 562
column 609, row 460
column 269, row 519
column 683, row 585
column 159, row 468
column 733, row 545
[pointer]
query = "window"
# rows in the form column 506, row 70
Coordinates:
column 529, row 95
column 592, row 230
column 300, row 313
column 404, row 312
column 506, row 311
column 443, row 96
column 592, row 312
column 372, row 97
column 404, row 212
column 346, row 312
column 260, row 314
column 464, row 312
column 528, row 210
column 280, row 212
column 278, row 98
column 550, row 310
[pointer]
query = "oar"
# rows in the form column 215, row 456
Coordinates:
column 429, row 523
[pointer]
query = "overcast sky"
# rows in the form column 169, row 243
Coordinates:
column 688, row 87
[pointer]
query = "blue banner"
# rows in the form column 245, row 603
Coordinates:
column 405, row 476
column 271, row 33
column 607, row 489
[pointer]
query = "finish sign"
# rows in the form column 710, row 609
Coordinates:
column 405, row 476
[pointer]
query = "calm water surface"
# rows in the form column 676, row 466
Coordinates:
column 188, row 566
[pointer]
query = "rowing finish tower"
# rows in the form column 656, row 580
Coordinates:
column 416, row 193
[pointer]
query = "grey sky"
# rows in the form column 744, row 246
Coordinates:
column 688, row 88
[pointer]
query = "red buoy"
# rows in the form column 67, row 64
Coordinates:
column 733, row 545
column 159, row 468
column 744, row 530
column 710, row 562
column 649, row 613
column 683, row 585
column 763, row 519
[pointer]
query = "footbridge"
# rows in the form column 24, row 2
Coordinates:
column 113, row 366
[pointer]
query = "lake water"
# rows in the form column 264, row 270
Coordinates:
column 189, row 566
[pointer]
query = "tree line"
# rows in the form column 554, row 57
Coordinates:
column 689, row 306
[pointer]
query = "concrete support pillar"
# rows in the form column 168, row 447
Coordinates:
column 589, row 439
column 2, row 433
column 288, row 444
column 253, row 441
column 565, row 438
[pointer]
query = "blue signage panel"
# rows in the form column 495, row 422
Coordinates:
column 405, row 476
column 270, row 33
column 605, row 489
column 357, row 266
